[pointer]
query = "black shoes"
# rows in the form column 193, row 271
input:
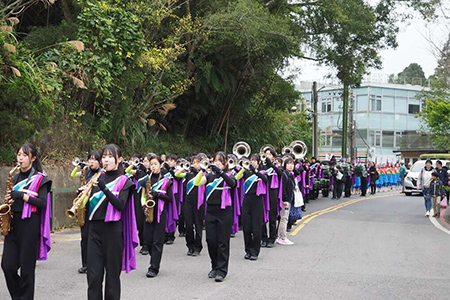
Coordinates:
column 247, row 256
column 190, row 252
column 82, row 270
column 219, row 278
column 144, row 250
column 270, row 245
column 232, row 235
column 151, row 274
column 169, row 242
column 212, row 274
column 195, row 253
column 182, row 234
column 263, row 244
column 253, row 257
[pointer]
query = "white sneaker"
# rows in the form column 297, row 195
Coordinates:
column 432, row 212
column 288, row 242
column 427, row 214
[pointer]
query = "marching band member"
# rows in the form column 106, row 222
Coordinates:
column 158, row 187
column 29, row 238
column 194, row 208
column 275, row 190
column 138, row 171
column 93, row 167
column 112, row 229
column 219, row 215
column 254, row 207
column 169, row 166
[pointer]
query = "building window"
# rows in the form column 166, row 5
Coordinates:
column 326, row 105
column 413, row 109
column 375, row 138
column 398, row 139
column 375, row 102
column 326, row 140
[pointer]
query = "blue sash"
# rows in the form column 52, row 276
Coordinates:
column 157, row 186
column 190, row 186
column 270, row 172
column 249, row 183
column 97, row 199
column 211, row 187
column 21, row 186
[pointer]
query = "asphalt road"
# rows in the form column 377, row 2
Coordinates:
column 379, row 248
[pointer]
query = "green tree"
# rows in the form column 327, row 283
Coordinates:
column 412, row 74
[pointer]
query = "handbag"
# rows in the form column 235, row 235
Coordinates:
column 298, row 198
column 444, row 203
column 295, row 214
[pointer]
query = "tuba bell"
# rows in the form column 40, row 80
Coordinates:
column 299, row 149
column 241, row 149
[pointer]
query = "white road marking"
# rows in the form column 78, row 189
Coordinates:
column 438, row 225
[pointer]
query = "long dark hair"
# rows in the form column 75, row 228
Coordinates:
column 222, row 157
column 116, row 152
column 30, row 150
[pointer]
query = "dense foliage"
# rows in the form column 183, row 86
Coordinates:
column 173, row 76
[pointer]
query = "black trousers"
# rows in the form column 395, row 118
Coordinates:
column 140, row 218
column 252, row 220
column 105, row 248
column 271, row 236
column 154, row 237
column 20, row 251
column 348, row 186
column 182, row 218
column 218, row 230
column 84, row 242
column 337, row 189
column 194, row 223
column 363, row 186
column 373, row 187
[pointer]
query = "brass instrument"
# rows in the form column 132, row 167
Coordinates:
column 150, row 203
column 266, row 147
column 286, row 150
column 6, row 214
column 205, row 164
column 76, row 162
column 135, row 162
column 77, row 210
column 299, row 149
column 244, row 163
column 241, row 149
column 231, row 162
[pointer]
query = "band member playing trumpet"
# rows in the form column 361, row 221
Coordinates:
column 194, row 208
column 254, row 207
column 92, row 167
column 138, row 170
column 112, row 229
column 170, row 168
column 158, row 188
column 29, row 237
column 219, row 214
column 275, row 176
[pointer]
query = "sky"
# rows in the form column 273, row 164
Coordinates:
column 413, row 46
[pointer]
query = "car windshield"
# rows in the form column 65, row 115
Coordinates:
column 418, row 166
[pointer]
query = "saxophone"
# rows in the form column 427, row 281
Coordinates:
column 77, row 209
column 6, row 214
column 81, row 213
column 150, row 203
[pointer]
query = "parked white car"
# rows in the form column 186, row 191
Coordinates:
column 413, row 175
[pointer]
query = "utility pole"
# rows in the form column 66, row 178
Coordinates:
column 352, row 132
column 344, row 147
column 315, row 98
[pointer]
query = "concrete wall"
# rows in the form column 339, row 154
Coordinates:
column 63, row 189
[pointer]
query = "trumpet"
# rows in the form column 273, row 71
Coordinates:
column 231, row 162
column 241, row 149
column 286, row 150
column 244, row 163
column 76, row 162
column 263, row 158
column 205, row 164
column 135, row 162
